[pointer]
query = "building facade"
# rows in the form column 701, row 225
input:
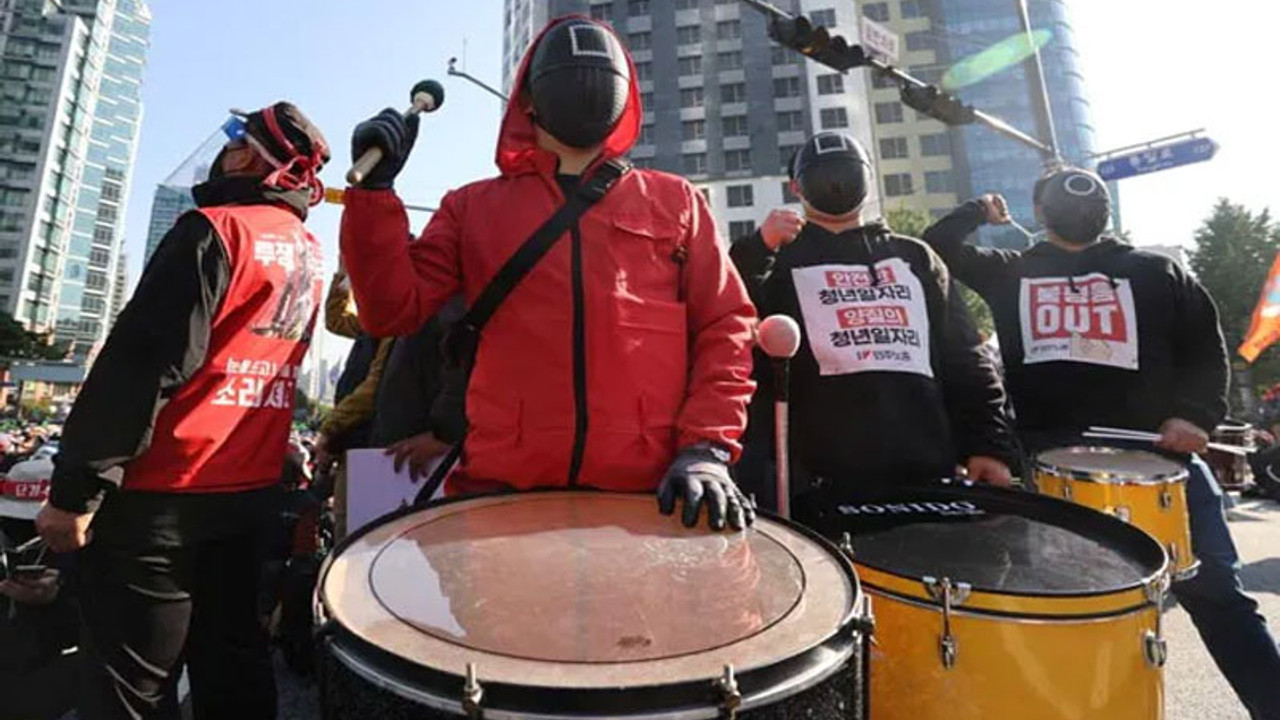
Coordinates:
column 723, row 105
column 167, row 205
column 69, row 74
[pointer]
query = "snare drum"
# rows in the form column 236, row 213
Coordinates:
column 1003, row 605
column 587, row 605
column 1139, row 487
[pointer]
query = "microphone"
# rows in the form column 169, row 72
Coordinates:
column 779, row 337
column 426, row 96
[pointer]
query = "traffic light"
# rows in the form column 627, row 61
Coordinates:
column 931, row 101
column 799, row 34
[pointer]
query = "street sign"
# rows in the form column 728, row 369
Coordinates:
column 880, row 40
column 1157, row 158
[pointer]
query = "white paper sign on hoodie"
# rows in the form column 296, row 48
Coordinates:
column 1088, row 319
column 856, row 325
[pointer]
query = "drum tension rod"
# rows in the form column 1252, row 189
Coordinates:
column 730, row 695
column 846, row 545
column 1154, row 646
column 947, row 593
column 472, row 694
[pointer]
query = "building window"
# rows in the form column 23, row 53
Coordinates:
column 878, row 11
column 888, row 112
column 741, row 196
column 786, row 87
column 834, row 118
column 881, row 80
column 729, row 30
column 938, row 182
column 911, row 9
column 937, row 144
column 729, row 60
column 689, row 35
column 832, row 84
column 788, row 196
column 640, row 41
column 694, row 163
column 893, row 148
column 736, row 160
column 690, row 66
column 739, row 229
column 646, row 101
column 646, row 135
column 693, row 129
column 919, row 41
column 897, row 184
column 790, row 120
column 733, row 93
column 823, row 18
column 931, row 74
column 784, row 56
column 691, row 97
column 602, row 12
column 787, row 153
column 637, row 7
column 644, row 71
column 686, row 4
column 734, row 126
column 110, row 191
column 642, row 163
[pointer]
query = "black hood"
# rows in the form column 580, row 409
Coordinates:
column 242, row 190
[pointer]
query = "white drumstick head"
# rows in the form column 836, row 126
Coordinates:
column 779, row 337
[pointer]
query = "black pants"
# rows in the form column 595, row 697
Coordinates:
column 170, row 579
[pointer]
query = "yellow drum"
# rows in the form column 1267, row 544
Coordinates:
column 994, row 605
column 1142, row 488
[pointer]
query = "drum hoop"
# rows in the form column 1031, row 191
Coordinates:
column 1104, row 477
column 850, row 625
column 1019, row 618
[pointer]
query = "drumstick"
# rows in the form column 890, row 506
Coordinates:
column 1119, row 434
column 427, row 96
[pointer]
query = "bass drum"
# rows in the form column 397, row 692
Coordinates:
column 1003, row 605
column 587, row 605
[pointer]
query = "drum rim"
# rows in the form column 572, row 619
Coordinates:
column 830, row 653
column 963, row 610
column 1174, row 477
column 1135, row 534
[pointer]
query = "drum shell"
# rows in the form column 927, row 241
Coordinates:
column 1011, row 668
column 1157, row 508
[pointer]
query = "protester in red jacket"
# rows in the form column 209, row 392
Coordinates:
column 624, row 354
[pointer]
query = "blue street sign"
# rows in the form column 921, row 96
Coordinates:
column 1158, row 158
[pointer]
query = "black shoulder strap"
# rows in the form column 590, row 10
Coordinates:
column 538, row 244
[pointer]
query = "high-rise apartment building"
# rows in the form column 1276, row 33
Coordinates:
column 724, row 106
column 119, row 288
column 69, row 109
column 927, row 166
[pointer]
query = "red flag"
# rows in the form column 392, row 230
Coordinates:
column 1265, row 328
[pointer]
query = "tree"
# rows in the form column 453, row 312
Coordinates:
column 18, row 342
column 1234, row 249
column 913, row 223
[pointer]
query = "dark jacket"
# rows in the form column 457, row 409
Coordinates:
column 876, row 423
column 1095, row 356
column 159, row 342
column 411, row 382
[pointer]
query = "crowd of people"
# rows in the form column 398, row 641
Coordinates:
column 575, row 322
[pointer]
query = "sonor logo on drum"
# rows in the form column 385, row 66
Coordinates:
column 948, row 509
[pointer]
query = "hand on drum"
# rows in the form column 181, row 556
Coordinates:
column 700, row 477
column 1182, row 436
column 417, row 452
column 989, row 471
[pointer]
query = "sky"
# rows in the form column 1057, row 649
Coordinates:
column 1151, row 68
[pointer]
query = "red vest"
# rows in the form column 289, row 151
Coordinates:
column 226, row 428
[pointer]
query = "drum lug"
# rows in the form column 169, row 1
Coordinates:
column 866, row 621
column 948, row 593
column 472, row 693
column 1174, row 558
column 846, row 545
column 1066, row 490
column 1122, row 512
column 1155, row 648
column 730, row 695
column 1166, row 500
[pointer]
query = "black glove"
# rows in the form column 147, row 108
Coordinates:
column 700, row 475
column 395, row 135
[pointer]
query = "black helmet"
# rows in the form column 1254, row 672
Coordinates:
column 834, row 173
column 1074, row 203
column 579, row 81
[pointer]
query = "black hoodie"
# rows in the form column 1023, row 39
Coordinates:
column 1108, row 335
column 896, row 402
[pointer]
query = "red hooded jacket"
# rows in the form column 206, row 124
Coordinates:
column 661, row 358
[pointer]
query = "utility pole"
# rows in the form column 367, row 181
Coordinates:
column 1040, row 105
